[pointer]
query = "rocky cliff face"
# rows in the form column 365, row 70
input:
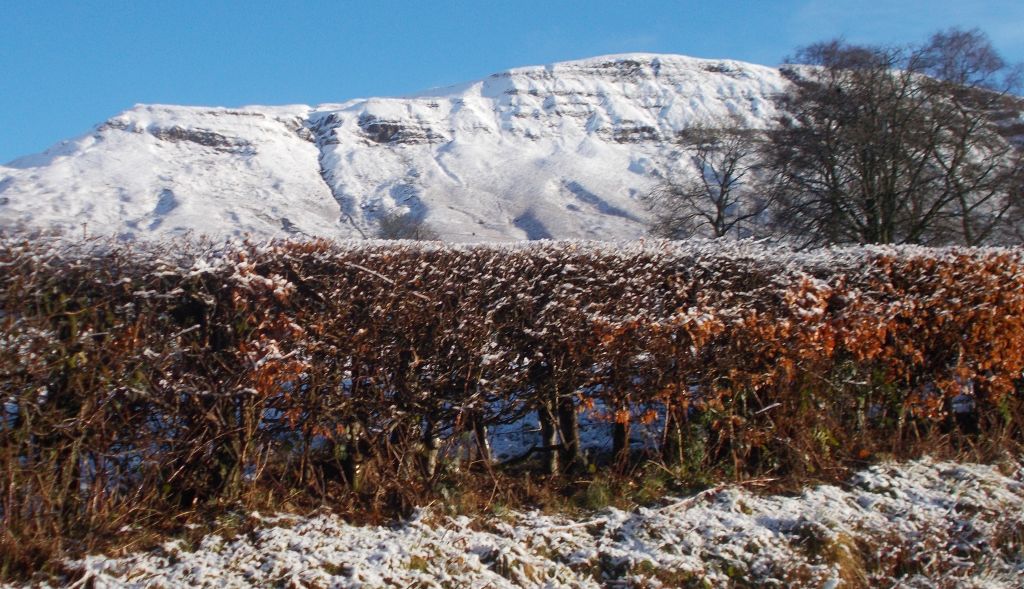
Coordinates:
column 564, row 151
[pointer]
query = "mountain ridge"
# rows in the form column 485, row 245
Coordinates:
column 564, row 150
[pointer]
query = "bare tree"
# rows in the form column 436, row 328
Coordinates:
column 967, row 60
column 404, row 225
column 895, row 145
column 979, row 167
column 849, row 158
column 724, row 193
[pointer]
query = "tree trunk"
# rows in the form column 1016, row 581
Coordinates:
column 549, row 438
column 483, row 444
column 672, row 450
column 570, row 429
column 431, row 450
column 352, row 460
column 620, row 443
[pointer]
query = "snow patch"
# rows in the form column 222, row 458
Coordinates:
column 946, row 523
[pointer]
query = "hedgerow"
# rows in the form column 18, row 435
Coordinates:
column 142, row 384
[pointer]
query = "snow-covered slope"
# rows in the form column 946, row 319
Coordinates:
column 563, row 151
column 166, row 169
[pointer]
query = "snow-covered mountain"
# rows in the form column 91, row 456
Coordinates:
column 563, row 151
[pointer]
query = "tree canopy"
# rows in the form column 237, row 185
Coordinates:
column 878, row 144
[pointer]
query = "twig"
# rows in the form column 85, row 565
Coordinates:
column 689, row 501
column 593, row 522
column 88, row 576
column 187, row 330
column 386, row 279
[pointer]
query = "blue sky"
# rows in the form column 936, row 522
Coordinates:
column 66, row 66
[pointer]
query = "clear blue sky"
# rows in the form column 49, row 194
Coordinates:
column 68, row 65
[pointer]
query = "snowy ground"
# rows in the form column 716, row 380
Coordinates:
column 918, row 524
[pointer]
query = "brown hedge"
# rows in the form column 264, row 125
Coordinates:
column 145, row 381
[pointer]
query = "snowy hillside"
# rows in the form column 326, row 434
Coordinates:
column 562, row 151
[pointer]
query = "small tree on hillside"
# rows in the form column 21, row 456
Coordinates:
column 724, row 193
column 403, row 225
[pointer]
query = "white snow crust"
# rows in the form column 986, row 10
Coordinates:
column 562, row 151
column 955, row 524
